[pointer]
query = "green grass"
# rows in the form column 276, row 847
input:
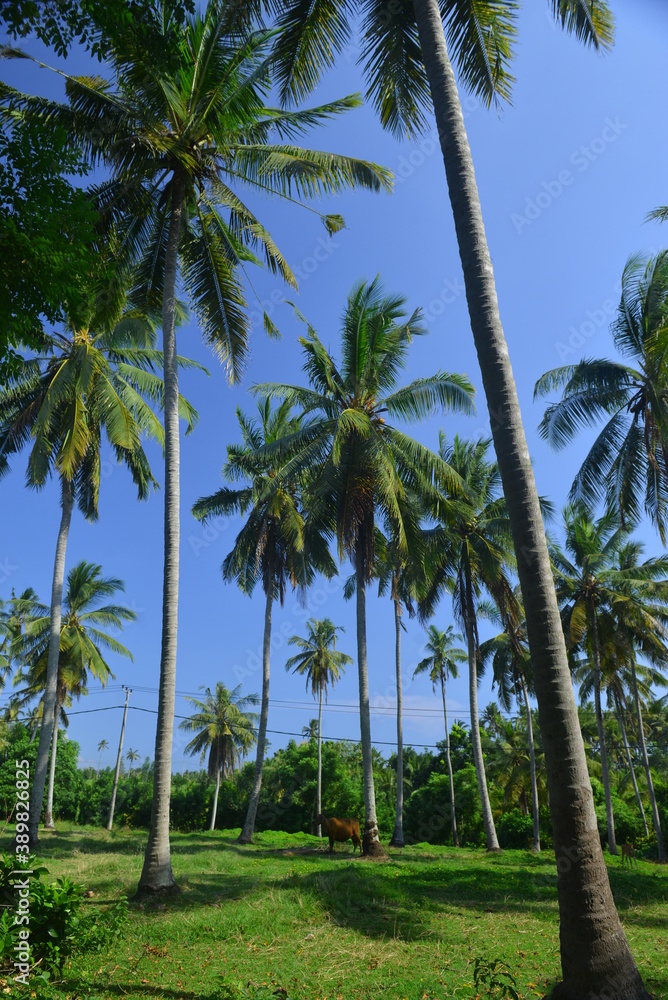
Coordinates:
column 285, row 913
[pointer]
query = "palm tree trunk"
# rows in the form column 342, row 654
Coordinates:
column 648, row 773
column 48, row 818
column 246, row 835
column 51, row 685
column 595, row 956
column 532, row 765
column 370, row 840
column 318, row 804
column 487, row 818
column 605, row 770
column 157, row 872
column 398, row 835
column 453, row 817
column 214, row 811
column 627, row 751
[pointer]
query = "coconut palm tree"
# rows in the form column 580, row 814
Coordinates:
column 222, row 725
column 16, row 614
column 585, row 587
column 275, row 546
column 442, row 663
column 409, row 71
column 102, row 746
column 82, row 642
column 132, row 756
column 96, row 379
column 627, row 465
column 187, row 137
column 363, row 467
column 511, row 664
column 640, row 615
column 470, row 550
column 322, row 664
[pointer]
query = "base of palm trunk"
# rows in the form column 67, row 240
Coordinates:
column 371, row 846
column 245, row 838
column 146, row 892
column 48, row 823
column 397, row 841
column 633, row 990
column 494, row 850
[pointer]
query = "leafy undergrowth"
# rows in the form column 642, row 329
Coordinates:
column 283, row 918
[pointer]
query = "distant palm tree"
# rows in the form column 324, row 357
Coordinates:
column 82, row 641
column 470, row 550
column 132, row 756
column 627, row 464
column 15, row 616
column 321, row 664
column 310, row 732
column 275, row 546
column 442, row 663
column 102, row 746
column 362, row 466
column 90, row 381
column 223, row 726
column 511, row 664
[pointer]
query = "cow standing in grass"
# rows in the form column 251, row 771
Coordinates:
column 340, row 830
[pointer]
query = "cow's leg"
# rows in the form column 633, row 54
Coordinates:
column 331, row 845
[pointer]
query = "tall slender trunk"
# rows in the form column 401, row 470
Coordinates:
column 214, row 811
column 478, row 761
column 398, row 835
column 112, row 806
column 605, row 770
column 627, row 751
column 246, row 835
column 532, row 765
column 48, row 817
column 51, row 685
column 157, row 872
column 453, row 816
column 318, row 795
column 648, row 773
column 370, row 840
column 595, row 956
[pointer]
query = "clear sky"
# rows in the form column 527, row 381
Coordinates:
column 566, row 177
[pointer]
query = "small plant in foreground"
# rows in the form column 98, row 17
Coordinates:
column 237, row 991
column 493, row 979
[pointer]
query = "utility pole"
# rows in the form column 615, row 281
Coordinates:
column 110, row 821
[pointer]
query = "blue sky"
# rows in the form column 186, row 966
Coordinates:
column 566, row 177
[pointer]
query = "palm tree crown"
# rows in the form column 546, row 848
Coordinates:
column 319, row 661
column 628, row 461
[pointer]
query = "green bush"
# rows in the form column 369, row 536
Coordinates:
column 515, row 830
column 58, row 925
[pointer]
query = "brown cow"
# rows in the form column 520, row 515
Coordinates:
column 340, row 830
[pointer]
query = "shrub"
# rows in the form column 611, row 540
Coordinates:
column 515, row 830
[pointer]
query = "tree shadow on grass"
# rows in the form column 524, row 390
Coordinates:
column 78, row 986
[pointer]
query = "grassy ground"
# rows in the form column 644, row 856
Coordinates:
column 285, row 913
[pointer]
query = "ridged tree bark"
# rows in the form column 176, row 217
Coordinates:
column 318, row 796
column 453, row 816
column 48, row 816
column 605, row 769
column 595, row 957
column 629, row 761
column 648, row 773
column 370, row 840
column 157, row 872
column 51, row 685
column 532, row 766
column 398, row 835
column 246, row 835
column 478, row 760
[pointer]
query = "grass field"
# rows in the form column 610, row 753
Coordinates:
column 286, row 914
